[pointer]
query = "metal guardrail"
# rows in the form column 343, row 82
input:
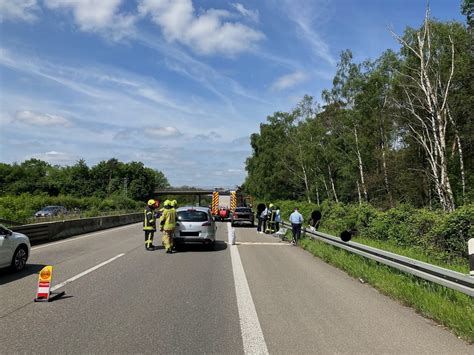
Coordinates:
column 11, row 223
column 441, row 276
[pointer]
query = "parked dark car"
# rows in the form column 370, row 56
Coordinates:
column 50, row 211
column 242, row 215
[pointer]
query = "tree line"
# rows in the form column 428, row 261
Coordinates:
column 397, row 129
column 107, row 178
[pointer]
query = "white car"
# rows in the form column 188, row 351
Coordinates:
column 14, row 249
column 195, row 225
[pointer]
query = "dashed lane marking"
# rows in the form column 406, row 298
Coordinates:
column 78, row 276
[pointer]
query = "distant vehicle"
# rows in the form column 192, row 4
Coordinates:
column 224, row 203
column 242, row 215
column 14, row 249
column 50, row 211
column 224, row 213
column 195, row 225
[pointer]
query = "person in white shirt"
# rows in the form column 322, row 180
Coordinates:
column 296, row 220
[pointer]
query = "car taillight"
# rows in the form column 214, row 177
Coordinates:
column 207, row 224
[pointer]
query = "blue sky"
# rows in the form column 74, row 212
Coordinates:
column 176, row 84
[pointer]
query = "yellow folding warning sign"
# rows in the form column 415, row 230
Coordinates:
column 45, row 279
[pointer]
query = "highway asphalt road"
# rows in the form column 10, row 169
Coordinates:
column 259, row 296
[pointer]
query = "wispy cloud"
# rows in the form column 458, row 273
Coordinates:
column 212, row 135
column 177, row 60
column 289, row 80
column 162, row 132
column 100, row 84
column 41, row 119
column 252, row 15
column 18, row 10
column 209, row 32
column 304, row 13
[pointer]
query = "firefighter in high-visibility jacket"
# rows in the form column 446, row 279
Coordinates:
column 168, row 225
column 149, row 223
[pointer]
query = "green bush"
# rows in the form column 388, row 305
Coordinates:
column 442, row 234
column 22, row 208
column 453, row 231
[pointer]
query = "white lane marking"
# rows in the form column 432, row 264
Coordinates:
column 85, row 236
column 263, row 243
column 252, row 335
column 78, row 276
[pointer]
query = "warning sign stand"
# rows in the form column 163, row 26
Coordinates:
column 45, row 279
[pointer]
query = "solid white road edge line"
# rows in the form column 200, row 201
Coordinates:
column 85, row 236
column 252, row 335
column 78, row 276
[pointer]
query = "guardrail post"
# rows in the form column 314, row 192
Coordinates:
column 470, row 244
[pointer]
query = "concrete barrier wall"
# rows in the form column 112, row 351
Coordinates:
column 49, row 231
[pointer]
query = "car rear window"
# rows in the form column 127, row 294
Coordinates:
column 247, row 210
column 192, row 216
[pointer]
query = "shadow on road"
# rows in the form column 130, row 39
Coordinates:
column 218, row 246
column 61, row 298
column 7, row 276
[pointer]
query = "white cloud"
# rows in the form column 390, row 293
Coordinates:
column 24, row 10
column 162, row 132
column 40, row 119
column 206, row 33
column 100, row 16
column 289, row 81
column 251, row 15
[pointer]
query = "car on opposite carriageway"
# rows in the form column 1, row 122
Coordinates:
column 50, row 211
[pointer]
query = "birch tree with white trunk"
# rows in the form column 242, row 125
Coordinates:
column 425, row 99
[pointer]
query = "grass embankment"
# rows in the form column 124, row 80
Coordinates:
column 456, row 264
column 447, row 307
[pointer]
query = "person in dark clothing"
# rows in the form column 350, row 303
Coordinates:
column 149, row 224
column 260, row 208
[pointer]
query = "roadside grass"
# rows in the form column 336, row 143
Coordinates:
column 450, row 308
column 456, row 264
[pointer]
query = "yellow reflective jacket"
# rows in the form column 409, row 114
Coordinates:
column 168, row 219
